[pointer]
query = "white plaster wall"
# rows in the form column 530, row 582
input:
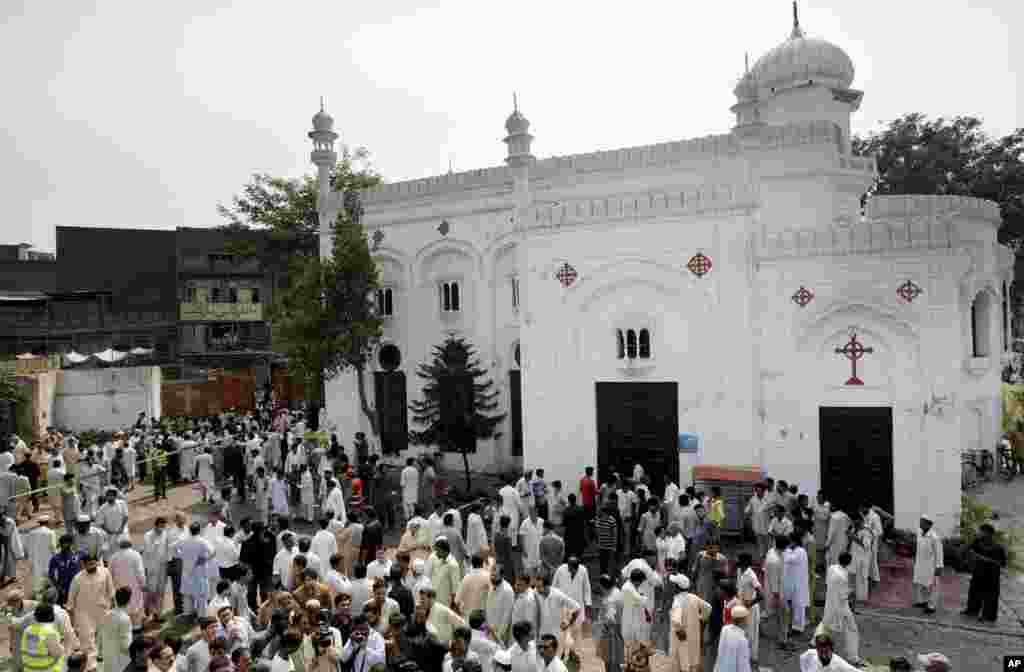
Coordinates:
column 634, row 274
column 106, row 398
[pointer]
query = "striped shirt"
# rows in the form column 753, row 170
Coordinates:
column 607, row 532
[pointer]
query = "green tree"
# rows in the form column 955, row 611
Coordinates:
column 325, row 320
column 450, row 420
column 950, row 156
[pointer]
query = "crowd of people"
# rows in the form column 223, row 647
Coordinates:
column 500, row 584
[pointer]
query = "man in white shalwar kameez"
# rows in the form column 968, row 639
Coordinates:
column 530, row 532
column 509, row 507
column 552, row 603
column 928, row 563
column 112, row 518
column 156, row 553
column 128, row 571
column 572, row 579
column 838, row 540
column 40, row 544
column 335, row 505
column 874, row 523
column 324, row 544
column 410, row 482
column 838, row 616
column 476, row 534
column 733, row 647
column 637, row 609
column 796, row 583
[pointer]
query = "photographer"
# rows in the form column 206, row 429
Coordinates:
column 365, row 648
column 327, row 645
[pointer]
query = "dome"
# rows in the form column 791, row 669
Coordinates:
column 516, row 123
column 746, row 88
column 323, row 121
column 802, row 58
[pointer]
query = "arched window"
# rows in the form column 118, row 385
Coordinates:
column 631, row 344
column 645, row 344
column 449, row 297
column 981, row 322
column 620, row 350
column 385, row 302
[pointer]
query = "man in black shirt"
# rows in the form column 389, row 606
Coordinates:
column 258, row 552
column 574, row 519
column 987, row 558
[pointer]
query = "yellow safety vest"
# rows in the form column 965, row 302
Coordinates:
column 34, row 654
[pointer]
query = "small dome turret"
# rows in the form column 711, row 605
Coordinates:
column 323, row 121
column 801, row 59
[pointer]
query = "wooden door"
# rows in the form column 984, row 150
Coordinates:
column 856, row 456
column 638, row 423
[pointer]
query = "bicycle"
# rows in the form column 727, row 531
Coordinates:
column 1007, row 464
column 968, row 473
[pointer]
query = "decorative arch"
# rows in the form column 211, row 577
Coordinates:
column 974, row 283
column 614, row 276
column 437, row 247
column 858, row 313
column 396, row 257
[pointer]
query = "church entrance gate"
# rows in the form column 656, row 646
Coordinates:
column 856, row 456
column 638, row 423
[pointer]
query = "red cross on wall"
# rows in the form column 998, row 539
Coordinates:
column 854, row 350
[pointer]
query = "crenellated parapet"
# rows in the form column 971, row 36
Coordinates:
column 917, row 205
column 659, row 155
column 470, row 179
column 891, row 223
column 715, row 198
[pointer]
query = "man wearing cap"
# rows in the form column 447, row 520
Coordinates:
column 822, row 657
column 733, row 647
column 40, row 545
column 934, row 662
column 89, row 599
column 688, row 616
column 928, row 563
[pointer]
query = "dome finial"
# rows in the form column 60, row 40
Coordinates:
column 746, row 62
column 797, row 31
column 321, row 103
column 515, row 102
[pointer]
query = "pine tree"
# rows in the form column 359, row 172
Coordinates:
column 449, row 419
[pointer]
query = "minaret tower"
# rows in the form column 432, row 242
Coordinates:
column 325, row 159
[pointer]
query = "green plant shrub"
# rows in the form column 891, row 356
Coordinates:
column 973, row 514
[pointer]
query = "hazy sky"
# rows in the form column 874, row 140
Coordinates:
column 147, row 114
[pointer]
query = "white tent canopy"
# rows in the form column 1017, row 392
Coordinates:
column 141, row 351
column 110, row 356
column 75, row 357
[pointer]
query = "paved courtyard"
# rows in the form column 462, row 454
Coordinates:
column 886, row 631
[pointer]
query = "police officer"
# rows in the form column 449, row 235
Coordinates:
column 41, row 648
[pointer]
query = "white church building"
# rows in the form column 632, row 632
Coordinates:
column 727, row 287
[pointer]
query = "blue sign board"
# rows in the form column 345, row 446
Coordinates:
column 689, row 443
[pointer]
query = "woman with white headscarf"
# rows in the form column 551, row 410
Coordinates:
column 689, row 614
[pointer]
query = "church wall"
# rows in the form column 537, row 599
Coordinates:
column 633, row 275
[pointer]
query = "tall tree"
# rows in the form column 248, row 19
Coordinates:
column 458, row 402
column 950, row 156
column 325, row 320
